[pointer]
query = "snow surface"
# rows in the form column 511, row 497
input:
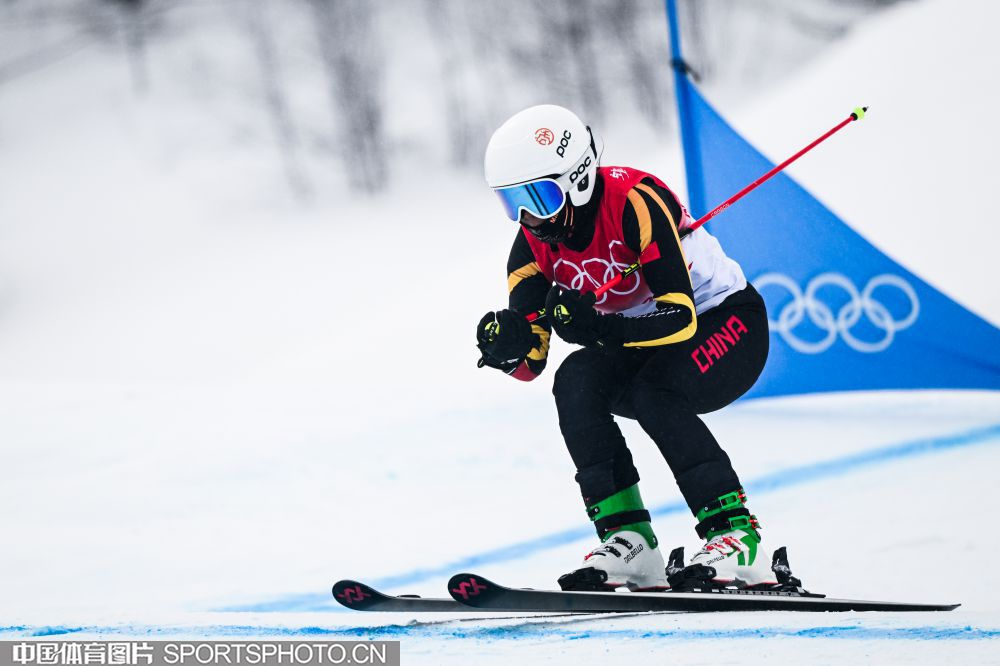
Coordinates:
column 207, row 416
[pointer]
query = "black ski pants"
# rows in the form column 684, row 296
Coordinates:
column 664, row 388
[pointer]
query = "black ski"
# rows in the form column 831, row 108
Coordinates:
column 690, row 594
column 482, row 593
column 358, row 596
column 475, row 593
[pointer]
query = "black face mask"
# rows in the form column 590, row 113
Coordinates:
column 556, row 230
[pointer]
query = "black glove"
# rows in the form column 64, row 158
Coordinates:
column 504, row 338
column 576, row 321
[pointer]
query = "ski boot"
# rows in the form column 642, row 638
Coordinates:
column 732, row 556
column 628, row 555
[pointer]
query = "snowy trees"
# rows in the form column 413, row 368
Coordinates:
column 347, row 92
column 353, row 58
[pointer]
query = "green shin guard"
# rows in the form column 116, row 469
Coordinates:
column 622, row 511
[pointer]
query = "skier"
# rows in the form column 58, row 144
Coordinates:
column 683, row 336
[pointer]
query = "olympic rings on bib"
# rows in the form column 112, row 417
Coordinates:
column 596, row 272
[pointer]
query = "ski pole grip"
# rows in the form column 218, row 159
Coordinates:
column 492, row 331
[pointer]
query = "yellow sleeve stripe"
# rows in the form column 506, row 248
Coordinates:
column 521, row 273
column 656, row 197
column 680, row 336
column 642, row 214
column 666, row 211
column 542, row 350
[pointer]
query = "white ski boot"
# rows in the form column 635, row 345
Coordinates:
column 732, row 555
column 736, row 559
column 626, row 559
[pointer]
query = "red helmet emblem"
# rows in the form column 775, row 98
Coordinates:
column 544, row 136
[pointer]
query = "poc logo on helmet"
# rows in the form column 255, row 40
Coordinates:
column 563, row 143
column 580, row 170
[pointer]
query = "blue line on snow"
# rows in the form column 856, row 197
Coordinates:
column 522, row 631
column 785, row 478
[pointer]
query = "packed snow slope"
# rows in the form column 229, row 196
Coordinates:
column 214, row 403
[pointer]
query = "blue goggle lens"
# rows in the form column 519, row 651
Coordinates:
column 541, row 198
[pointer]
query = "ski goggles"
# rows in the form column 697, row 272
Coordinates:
column 542, row 198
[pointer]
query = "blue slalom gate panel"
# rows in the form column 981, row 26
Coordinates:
column 843, row 315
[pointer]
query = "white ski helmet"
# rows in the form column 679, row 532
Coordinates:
column 545, row 142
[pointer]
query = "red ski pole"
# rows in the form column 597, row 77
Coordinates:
column 857, row 114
